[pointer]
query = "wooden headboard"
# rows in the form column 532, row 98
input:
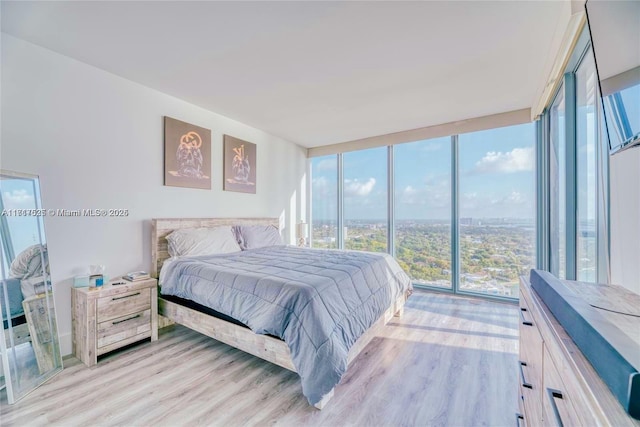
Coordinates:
column 161, row 227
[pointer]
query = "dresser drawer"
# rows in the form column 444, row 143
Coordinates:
column 530, row 339
column 531, row 362
column 119, row 305
column 558, row 407
column 123, row 328
column 528, row 316
column 531, row 348
column 521, row 420
column 531, row 403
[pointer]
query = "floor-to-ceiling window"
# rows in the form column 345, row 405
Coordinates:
column 324, row 202
column 586, row 149
column 422, row 187
column 497, row 211
column 578, row 182
column 365, row 200
column 460, row 210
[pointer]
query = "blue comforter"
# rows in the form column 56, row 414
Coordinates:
column 318, row 301
column 15, row 298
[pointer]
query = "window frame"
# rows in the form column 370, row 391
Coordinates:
column 568, row 86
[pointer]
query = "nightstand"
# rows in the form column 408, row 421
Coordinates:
column 109, row 317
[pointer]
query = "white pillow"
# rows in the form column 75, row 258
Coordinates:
column 257, row 236
column 202, row 241
column 28, row 263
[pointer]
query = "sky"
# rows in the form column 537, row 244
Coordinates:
column 631, row 100
column 497, row 178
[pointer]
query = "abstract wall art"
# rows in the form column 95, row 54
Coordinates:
column 187, row 155
column 239, row 165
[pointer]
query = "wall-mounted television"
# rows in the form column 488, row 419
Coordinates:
column 614, row 26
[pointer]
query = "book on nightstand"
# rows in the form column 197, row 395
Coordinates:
column 135, row 276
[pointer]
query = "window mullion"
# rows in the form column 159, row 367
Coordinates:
column 340, row 224
column 391, row 247
column 309, row 217
column 455, row 229
column 571, row 176
column 602, row 201
column 542, row 192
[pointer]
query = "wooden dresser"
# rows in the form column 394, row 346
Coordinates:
column 558, row 385
column 112, row 316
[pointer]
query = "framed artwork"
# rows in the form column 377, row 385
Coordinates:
column 239, row 165
column 187, row 155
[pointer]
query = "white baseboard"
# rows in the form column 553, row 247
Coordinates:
column 66, row 346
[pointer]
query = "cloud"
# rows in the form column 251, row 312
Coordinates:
column 514, row 198
column 513, row 204
column 17, row 198
column 411, row 196
column 321, row 187
column 435, row 194
column 326, row 164
column 354, row 187
column 409, row 191
column 431, row 146
column 516, row 160
column 319, row 182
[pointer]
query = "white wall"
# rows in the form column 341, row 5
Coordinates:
column 625, row 218
column 96, row 141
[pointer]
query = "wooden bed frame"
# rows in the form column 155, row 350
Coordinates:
column 268, row 348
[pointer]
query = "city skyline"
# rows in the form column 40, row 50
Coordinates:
column 491, row 256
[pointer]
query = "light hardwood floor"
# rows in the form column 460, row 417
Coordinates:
column 449, row 361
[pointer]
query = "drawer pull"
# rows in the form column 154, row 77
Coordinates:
column 126, row 296
column 519, row 418
column 553, row 395
column 524, row 321
column 524, row 381
column 117, row 322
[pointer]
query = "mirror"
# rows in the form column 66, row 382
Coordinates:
column 29, row 342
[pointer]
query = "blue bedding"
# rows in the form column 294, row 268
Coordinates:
column 318, row 301
column 15, row 298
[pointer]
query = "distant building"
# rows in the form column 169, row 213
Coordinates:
column 475, row 277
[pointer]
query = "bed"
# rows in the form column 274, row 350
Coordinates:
column 312, row 311
column 15, row 312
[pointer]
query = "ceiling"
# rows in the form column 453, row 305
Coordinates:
column 615, row 30
column 315, row 73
